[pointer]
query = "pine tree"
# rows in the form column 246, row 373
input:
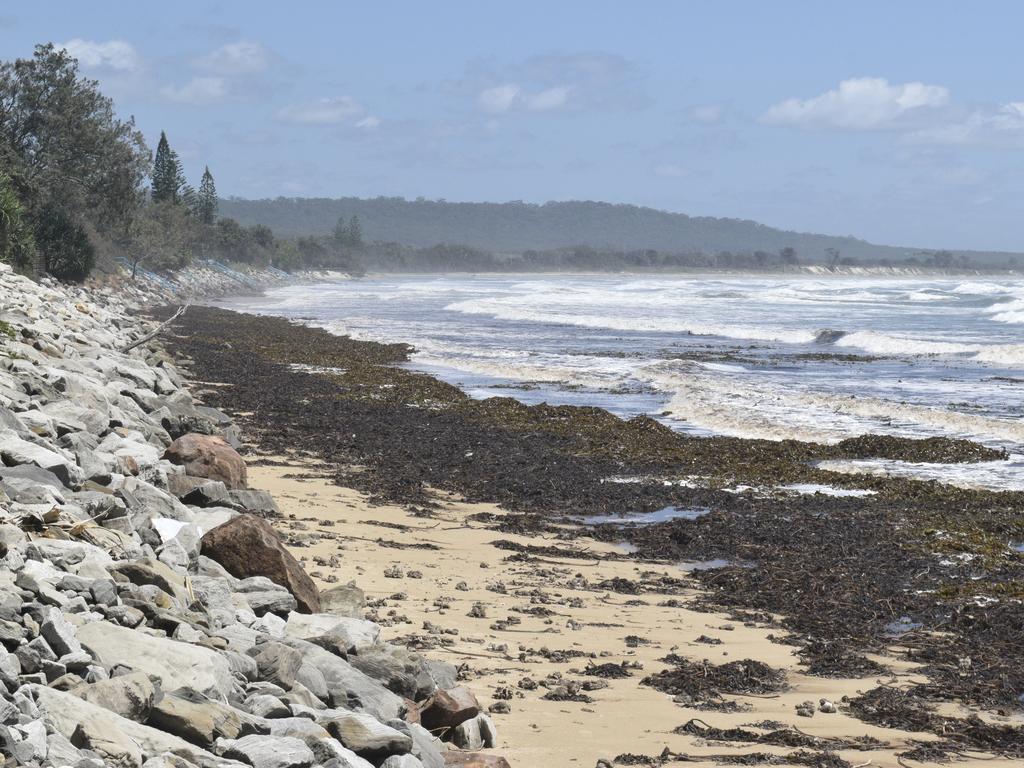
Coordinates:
column 164, row 172
column 169, row 184
column 206, row 202
column 355, row 232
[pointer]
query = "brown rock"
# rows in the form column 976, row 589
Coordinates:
column 208, row 456
column 475, row 760
column 448, row 708
column 247, row 546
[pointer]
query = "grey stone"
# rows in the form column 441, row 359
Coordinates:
column 401, row 761
column 346, row 600
column 131, row 696
column 59, row 633
column 277, row 663
column 367, row 736
column 175, row 664
column 114, row 738
column 267, row 751
column 399, row 669
column 347, row 686
column 263, row 705
column 199, row 721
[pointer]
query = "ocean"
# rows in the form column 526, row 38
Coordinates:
column 806, row 358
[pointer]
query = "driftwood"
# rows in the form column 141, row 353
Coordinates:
column 159, row 329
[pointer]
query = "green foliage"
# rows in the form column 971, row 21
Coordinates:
column 65, row 244
column 62, row 144
column 206, row 201
column 17, row 245
column 348, row 234
column 168, row 178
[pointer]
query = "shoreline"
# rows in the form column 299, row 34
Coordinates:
column 365, row 388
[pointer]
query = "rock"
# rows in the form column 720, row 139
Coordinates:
column 367, row 736
column 425, row 746
column 130, row 696
column 175, row 664
column 263, row 705
column 449, row 708
column 345, row 600
column 267, row 751
column 15, row 450
column 58, row 633
column 208, row 456
column 201, row 722
column 400, row 670
column 475, row 760
column 259, row 503
column 149, row 571
column 402, row 761
column 345, row 685
column 248, row 546
column 347, row 634
column 208, row 493
column 277, row 663
column 121, row 741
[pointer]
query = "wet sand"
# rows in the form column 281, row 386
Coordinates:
column 323, row 520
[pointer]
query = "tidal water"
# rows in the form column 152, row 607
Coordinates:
column 782, row 357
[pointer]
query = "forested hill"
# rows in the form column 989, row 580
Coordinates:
column 516, row 227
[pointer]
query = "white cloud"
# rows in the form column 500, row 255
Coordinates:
column 512, row 97
column 864, row 103
column 1002, row 126
column 498, row 99
column 368, row 123
column 328, row 111
column 239, row 58
column 112, row 54
column 198, row 91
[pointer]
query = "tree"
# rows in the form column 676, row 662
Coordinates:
column 62, row 144
column 160, row 237
column 355, row 233
column 17, row 245
column 65, row 245
column 206, row 201
column 340, row 235
column 788, row 255
column 168, row 178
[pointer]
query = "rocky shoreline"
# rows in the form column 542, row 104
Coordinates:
column 149, row 612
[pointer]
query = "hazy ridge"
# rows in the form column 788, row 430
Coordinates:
column 517, row 226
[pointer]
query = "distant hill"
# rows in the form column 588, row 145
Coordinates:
column 515, row 227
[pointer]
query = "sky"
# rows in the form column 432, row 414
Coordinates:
column 899, row 122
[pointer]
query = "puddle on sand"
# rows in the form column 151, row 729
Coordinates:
column 901, row 626
column 811, row 489
column 705, row 565
column 650, row 518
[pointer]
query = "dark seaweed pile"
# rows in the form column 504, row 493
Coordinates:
column 839, row 571
column 703, row 682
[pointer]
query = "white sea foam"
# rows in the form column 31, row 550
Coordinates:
column 759, row 408
column 647, row 324
column 988, row 475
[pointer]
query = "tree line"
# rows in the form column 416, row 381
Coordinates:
column 79, row 186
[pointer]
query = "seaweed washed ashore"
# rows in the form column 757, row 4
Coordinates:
column 917, row 568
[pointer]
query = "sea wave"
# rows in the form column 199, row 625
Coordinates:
column 757, row 408
column 503, row 311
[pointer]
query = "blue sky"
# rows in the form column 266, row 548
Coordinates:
column 899, row 122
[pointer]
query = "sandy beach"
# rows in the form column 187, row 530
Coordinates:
column 329, row 524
